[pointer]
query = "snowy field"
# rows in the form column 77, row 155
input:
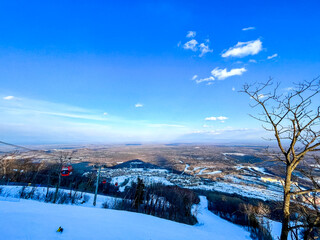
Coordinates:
column 28, row 220
column 247, row 182
column 243, row 190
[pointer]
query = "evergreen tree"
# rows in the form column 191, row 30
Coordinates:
column 138, row 196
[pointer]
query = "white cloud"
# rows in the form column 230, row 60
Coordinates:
column 252, row 61
column 8, row 97
column 248, row 28
column 138, row 105
column 272, row 56
column 233, row 89
column 192, row 45
column 261, row 96
column 208, row 79
column 105, row 113
column 289, row 89
column 191, row 34
column 194, row 77
column 210, row 118
column 242, row 49
column 223, row 73
column 221, row 118
column 204, row 49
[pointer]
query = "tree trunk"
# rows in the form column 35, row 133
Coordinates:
column 286, row 205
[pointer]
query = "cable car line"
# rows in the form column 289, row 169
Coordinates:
column 66, row 169
column 17, row 146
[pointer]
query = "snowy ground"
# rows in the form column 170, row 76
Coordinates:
column 12, row 193
column 28, row 220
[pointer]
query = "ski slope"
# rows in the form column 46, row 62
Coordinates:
column 31, row 220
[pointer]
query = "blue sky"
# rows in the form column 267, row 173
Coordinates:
column 161, row 71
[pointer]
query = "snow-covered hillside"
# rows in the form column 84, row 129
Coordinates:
column 28, row 219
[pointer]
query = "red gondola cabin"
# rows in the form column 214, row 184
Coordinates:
column 66, row 171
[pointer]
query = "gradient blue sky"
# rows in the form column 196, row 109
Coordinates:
column 74, row 71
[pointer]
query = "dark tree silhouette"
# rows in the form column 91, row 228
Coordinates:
column 138, row 197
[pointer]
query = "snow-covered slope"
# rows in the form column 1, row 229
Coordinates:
column 13, row 193
column 28, row 220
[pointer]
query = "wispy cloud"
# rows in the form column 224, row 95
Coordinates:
column 252, row 61
column 191, row 34
column 70, row 115
column 194, row 77
column 137, row 105
column 36, row 120
column 208, row 79
column 273, row 56
column 228, row 132
column 261, row 96
column 204, row 49
column 25, row 106
column 243, row 49
column 248, row 28
column 223, row 73
column 8, row 97
column 289, row 89
column 191, row 45
column 233, row 89
column 221, row 118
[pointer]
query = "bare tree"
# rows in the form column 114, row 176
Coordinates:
column 293, row 117
column 3, row 166
column 5, row 161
